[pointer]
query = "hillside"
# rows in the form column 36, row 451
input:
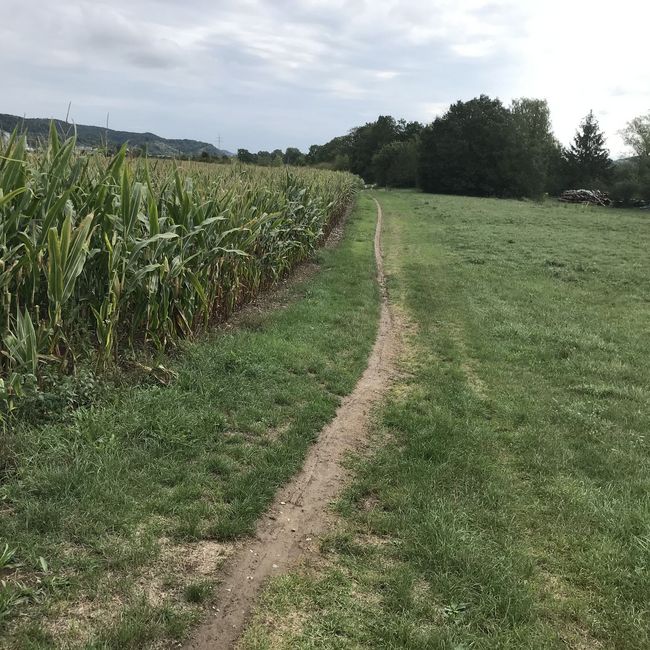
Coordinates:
column 95, row 136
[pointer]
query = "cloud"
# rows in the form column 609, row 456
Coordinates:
column 475, row 49
column 272, row 73
column 386, row 74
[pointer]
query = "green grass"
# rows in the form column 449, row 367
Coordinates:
column 507, row 505
column 101, row 492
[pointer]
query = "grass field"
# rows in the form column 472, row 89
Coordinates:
column 506, row 505
column 120, row 511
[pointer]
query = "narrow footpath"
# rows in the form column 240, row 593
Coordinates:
column 300, row 512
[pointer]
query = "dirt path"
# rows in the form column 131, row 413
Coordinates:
column 300, row 511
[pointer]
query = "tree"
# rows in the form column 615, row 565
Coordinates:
column 264, row 158
column 293, row 156
column 368, row 139
column 333, row 153
column 587, row 158
column 409, row 130
column 245, row 156
column 395, row 164
column 636, row 135
column 535, row 151
column 467, row 150
column 632, row 177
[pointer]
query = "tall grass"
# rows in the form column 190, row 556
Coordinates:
column 106, row 254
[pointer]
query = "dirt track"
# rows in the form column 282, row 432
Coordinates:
column 299, row 513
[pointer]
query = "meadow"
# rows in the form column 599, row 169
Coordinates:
column 503, row 500
column 505, row 504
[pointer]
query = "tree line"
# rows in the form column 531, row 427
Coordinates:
column 276, row 158
column 482, row 147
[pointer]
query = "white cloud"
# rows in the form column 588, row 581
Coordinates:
column 476, row 49
column 386, row 74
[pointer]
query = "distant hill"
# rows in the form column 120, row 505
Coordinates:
column 37, row 129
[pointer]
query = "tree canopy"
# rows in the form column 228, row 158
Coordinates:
column 466, row 150
column 636, row 135
column 480, row 147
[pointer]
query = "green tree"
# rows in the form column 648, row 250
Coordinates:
column 395, row 164
column 293, row 156
column 245, row 156
column 368, row 139
column 336, row 149
column 632, row 177
column 264, row 158
column 587, row 158
column 468, row 150
column 636, row 135
column 535, row 151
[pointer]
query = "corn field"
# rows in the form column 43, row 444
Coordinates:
column 100, row 255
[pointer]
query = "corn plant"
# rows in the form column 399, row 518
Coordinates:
column 100, row 255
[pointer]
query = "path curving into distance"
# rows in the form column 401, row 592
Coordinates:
column 299, row 513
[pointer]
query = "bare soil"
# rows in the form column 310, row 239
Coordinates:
column 300, row 512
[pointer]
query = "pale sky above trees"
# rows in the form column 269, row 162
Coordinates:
column 268, row 74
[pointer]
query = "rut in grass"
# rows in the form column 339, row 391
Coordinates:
column 300, row 511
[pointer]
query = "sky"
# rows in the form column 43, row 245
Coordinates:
column 267, row 74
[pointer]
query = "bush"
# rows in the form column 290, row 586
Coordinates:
column 625, row 191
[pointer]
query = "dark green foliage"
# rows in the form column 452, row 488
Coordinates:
column 483, row 148
column 467, row 150
column 293, row 156
column 631, row 177
column 245, row 156
column 335, row 154
column 631, row 181
column 275, row 158
column 588, row 162
column 369, row 139
column 358, row 150
column 536, row 154
column 395, row 164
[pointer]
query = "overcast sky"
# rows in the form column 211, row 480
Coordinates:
column 268, row 74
